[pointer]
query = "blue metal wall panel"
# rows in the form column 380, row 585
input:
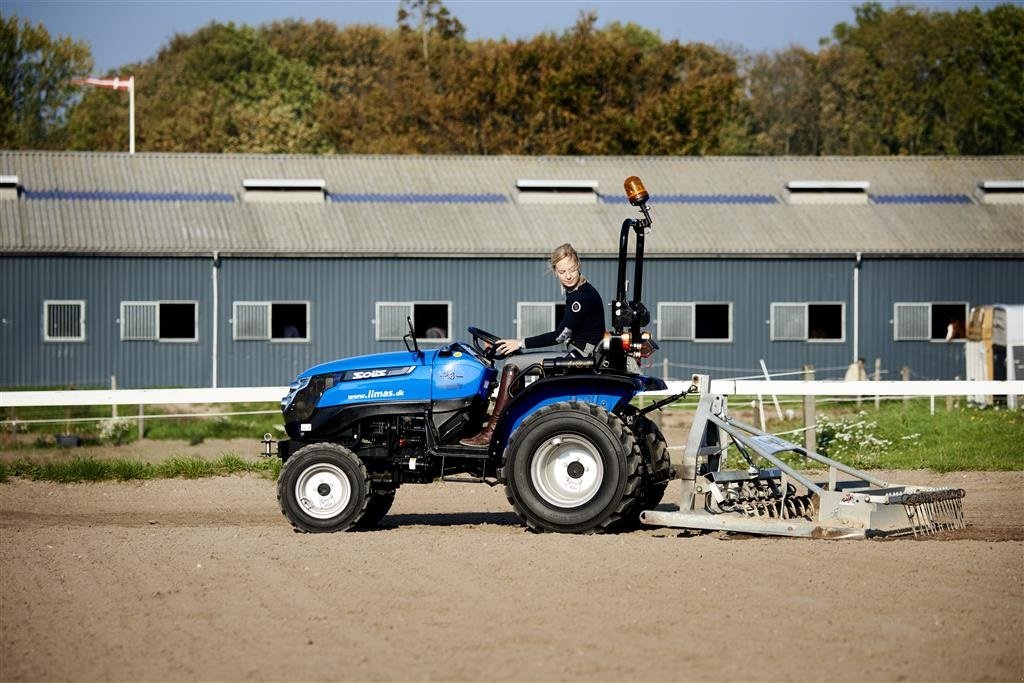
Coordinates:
column 886, row 282
column 102, row 283
column 483, row 292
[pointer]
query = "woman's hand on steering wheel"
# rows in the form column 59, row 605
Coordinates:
column 507, row 347
column 490, row 350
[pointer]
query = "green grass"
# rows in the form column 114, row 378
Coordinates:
column 897, row 436
column 81, row 469
column 903, row 435
column 194, row 429
column 962, row 439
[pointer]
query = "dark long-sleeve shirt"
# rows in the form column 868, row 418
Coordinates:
column 582, row 323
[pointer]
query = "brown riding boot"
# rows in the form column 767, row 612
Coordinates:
column 508, row 376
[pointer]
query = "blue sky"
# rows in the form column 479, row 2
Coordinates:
column 121, row 31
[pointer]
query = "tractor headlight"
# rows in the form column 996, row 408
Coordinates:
column 293, row 389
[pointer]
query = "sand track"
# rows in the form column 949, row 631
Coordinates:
column 205, row 580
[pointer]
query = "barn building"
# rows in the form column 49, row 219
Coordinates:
column 241, row 270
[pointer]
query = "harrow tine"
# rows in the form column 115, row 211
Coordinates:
column 960, row 511
column 911, row 515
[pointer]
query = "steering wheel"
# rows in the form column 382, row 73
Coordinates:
column 489, row 351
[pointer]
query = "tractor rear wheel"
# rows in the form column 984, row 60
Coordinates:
column 572, row 467
column 378, row 507
column 657, row 467
column 323, row 488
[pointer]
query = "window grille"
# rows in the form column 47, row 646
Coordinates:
column 534, row 317
column 675, row 321
column 64, row 321
column 789, row 322
column 912, row 321
column 251, row 320
column 139, row 320
column 391, row 320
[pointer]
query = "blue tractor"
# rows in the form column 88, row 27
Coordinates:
column 572, row 452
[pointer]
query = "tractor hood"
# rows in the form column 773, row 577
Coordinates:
column 373, row 363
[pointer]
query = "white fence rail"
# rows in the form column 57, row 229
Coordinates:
column 111, row 397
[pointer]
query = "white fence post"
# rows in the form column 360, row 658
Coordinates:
column 878, row 378
column 810, row 413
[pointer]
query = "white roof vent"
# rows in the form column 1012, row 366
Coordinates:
column 556, row 191
column 1001, row 191
column 827, row 191
column 8, row 187
column 285, row 190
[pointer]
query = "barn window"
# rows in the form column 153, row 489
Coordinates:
column 808, row 321
column 537, row 317
column 286, row 321
column 63, row 321
column 431, row 320
column 166, row 321
column 929, row 321
column 698, row 321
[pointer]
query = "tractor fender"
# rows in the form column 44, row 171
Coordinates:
column 610, row 392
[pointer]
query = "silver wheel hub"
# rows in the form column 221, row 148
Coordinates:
column 323, row 491
column 567, row 471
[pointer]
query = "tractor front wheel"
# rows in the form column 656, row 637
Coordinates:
column 323, row 488
column 572, row 467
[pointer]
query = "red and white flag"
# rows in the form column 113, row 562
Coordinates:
column 115, row 83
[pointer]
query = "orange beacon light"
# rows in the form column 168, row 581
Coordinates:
column 635, row 191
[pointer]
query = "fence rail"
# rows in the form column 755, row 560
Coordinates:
column 112, row 397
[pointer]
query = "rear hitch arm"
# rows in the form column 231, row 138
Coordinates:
column 658, row 405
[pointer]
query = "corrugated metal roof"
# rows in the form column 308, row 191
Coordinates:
column 449, row 205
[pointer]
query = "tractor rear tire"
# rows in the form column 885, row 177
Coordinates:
column 657, row 469
column 572, row 467
column 323, row 488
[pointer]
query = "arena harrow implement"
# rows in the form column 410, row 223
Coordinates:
column 781, row 500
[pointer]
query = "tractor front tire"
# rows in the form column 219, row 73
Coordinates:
column 323, row 488
column 572, row 467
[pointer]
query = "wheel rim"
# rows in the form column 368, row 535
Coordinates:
column 323, row 490
column 567, row 471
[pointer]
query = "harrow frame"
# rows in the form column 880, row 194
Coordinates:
column 783, row 501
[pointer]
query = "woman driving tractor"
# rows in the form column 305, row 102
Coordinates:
column 581, row 330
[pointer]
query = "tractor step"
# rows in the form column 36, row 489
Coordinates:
column 460, row 451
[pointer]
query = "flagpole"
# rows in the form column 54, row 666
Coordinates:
column 131, row 115
column 116, row 83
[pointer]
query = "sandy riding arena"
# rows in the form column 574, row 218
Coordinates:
column 205, row 580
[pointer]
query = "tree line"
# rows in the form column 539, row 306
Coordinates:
column 898, row 80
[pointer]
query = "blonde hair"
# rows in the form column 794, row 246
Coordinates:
column 563, row 252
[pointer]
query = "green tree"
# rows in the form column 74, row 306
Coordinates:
column 908, row 81
column 36, row 92
column 785, row 103
column 433, row 20
column 220, row 89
